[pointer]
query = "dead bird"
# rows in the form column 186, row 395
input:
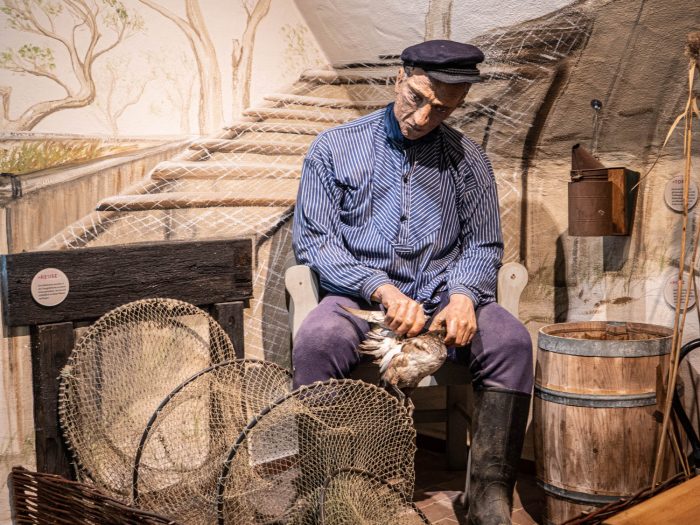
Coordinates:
column 403, row 361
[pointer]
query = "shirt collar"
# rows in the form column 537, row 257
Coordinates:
column 393, row 131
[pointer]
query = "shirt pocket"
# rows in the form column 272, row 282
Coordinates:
column 353, row 204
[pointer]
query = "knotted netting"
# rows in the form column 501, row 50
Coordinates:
column 352, row 496
column 276, row 469
column 119, row 372
column 243, row 181
column 186, row 441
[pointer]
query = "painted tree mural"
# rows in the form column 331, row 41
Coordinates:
column 85, row 30
column 438, row 20
column 119, row 87
column 195, row 29
column 242, row 56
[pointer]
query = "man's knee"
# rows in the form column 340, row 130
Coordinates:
column 519, row 344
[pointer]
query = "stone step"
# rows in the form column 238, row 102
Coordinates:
column 335, row 117
column 266, row 147
column 169, row 171
column 324, row 102
column 300, row 128
column 260, row 195
column 350, row 76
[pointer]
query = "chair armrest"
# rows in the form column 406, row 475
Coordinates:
column 302, row 286
column 512, row 279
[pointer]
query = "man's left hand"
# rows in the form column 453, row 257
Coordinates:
column 459, row 320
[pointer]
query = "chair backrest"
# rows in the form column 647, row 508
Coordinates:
column 302, row 286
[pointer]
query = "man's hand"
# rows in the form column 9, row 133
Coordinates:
column 403, row 315
column 459, row 320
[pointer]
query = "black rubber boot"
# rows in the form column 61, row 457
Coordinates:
column 500, row 418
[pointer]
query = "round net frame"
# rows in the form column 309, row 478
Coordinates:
column 277, row 467
column 120, row 371
column 352, row 496
column 187, row 439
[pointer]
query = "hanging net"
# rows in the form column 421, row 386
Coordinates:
column 277, row 467
column 119, row 372
column 352, row 496
column 187, row 439
column 243, row 182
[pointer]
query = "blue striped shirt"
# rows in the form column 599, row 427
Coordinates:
column 374, row 208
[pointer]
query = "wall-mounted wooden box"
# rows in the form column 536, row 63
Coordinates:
column 601, row 201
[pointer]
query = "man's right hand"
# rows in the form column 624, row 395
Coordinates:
column 403, row 315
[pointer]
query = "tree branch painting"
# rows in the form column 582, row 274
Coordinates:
column 197, row 34
column 91, row 21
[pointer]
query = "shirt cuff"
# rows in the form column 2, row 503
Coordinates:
column 465, row 290
column 372, row 283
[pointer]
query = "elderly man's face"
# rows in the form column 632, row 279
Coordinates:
column 423, row 103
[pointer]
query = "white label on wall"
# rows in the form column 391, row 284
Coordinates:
column 671, row 291
column 50, row 287
column 674, row 194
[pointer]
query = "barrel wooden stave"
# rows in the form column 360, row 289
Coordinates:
column 596, row 417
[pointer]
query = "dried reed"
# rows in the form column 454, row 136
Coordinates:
column 690, row 110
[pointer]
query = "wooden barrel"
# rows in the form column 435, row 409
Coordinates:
column 596, row 418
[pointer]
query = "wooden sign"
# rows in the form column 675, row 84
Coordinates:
column 71, row 285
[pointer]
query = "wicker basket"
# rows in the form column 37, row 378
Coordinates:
column 47, row 499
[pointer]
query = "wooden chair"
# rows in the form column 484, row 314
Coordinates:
column 303, row 296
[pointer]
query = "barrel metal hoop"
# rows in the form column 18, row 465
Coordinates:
column 578, row 497
column 591, row 348
column 595, row 401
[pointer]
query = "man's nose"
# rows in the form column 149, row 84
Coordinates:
column 422, row 115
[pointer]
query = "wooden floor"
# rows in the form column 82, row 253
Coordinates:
column 438, row 491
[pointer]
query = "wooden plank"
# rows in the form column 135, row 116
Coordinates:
column 230, row 317
column 680, row 504
column 200, row 272
column 185, row 200
column 51, row 346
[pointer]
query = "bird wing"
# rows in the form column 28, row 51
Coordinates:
column 371, row 316
column 420, row 356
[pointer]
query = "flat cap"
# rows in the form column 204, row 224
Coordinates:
column 445, row 60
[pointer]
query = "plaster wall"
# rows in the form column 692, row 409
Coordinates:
column 148, row 83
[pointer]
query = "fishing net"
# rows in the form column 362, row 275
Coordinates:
column 277, row 467
column 187, row 439
column 119, row 372
column 352, row 496
column 243, row 181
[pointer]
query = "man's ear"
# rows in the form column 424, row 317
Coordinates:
column 399, row 78
column 466, row 92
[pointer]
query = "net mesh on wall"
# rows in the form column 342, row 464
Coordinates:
column 352, row 496
column 276, row 470
column 186, row 441
column 243, row 181
column 120, row 371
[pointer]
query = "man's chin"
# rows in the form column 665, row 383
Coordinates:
column 412, row 134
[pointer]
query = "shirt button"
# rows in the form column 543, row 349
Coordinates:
column 405, row 179
column 403, row 218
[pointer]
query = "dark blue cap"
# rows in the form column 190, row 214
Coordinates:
column 445, row 60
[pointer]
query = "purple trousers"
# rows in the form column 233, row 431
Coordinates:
column 499, row 355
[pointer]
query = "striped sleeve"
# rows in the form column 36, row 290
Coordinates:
column 475, row 271
column 316, row 238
